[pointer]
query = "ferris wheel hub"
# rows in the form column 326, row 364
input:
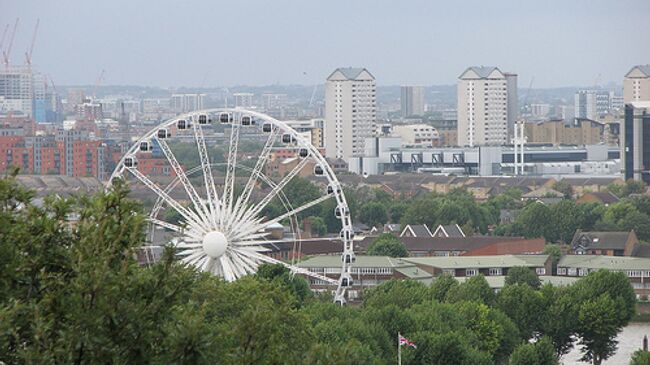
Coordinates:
column 215, row 244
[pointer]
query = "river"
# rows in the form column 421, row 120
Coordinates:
column 630, row 340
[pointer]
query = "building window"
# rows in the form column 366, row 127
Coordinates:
column 540, row 271
column 451, row 272
column 471, row 272
column 495, row 271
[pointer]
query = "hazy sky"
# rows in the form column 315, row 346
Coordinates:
column 261, row 42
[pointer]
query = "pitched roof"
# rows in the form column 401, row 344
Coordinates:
column 350, row 73
column 449, row 230
column 601, row 240
column 643, row 68
column 605, row 262
column 482, row 71
column 606, row 197
column 417, row 230
column 642, row 250
column 361, row 261
column 542, row 192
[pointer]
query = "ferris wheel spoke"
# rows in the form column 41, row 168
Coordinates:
column 228, row 189
column 242, row 201
column 296, row 270
column 228, row 271
column 212, row 196
column 193, row 220
column 276, row 189
column 245, row 263
column 286, row 215
column 303, row 240
column 164, row 224
column 199, row 206
column 237, row 267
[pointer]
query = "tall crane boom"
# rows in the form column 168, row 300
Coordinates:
column 28, row 55
column 7, row 52
column 4, row 35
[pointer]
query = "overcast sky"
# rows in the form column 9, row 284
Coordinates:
column 260, row 42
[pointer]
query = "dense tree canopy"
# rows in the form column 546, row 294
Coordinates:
column 74, row 294
column 387, row 245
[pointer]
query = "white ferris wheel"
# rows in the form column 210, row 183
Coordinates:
column 223, row 224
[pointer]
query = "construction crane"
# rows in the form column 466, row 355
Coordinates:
column 28, row 55
column 4, row 35
column 97, row 83
column 6, row 53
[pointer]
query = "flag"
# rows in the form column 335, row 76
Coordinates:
column 403, row 341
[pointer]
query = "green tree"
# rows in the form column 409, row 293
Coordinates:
column 536, row 220
column 401, row 293
column 318, row 225
column 373, row 214
column 538, row 353
column 522, row 275
column 640, row 357
column 281, row 275
column 559, row 320
column 555, row 251
column 567, row 218
column 475, row 289
column 565, row 188
column 518, row 301
column 396, row 211
column 441, row 287
column 598, row 327
column 387, row 245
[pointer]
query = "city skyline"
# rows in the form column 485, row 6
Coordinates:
column 434, row 44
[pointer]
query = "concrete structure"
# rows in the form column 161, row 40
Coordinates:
column 181, row 103
column 637, row 269
column 591, row 104
column 487, row 106
column 494, row 265
column 387, row 154
column 636, row 85
column 635, row 141
column 556, row 132
column 350, row 112
column 243, row 100
column 412, row 100
column 417, row 134
column 312, row 129
column 16, row 90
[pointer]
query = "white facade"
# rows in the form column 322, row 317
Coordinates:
column 17, row 89
column 417, row 134
column 181, row 103
column 350, row 111
column 636, row 86
column 412, row 100
column 487, row 106
column 243, row 100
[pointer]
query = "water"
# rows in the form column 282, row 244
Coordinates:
column 630, row 340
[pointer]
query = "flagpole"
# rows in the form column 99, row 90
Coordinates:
column 399, row 349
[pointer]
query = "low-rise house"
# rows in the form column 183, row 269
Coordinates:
column 495, row 265
column 416, row 230
column 637, row 269
column 450, row 230
column 604, row 243
column 508, row 216
column 601, row 197
column 542, row 192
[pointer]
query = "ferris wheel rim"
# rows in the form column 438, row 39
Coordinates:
column 344, row 280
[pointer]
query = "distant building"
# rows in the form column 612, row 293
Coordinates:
column 182, row 103
column 243, row 100
column 350, row 111
column 417, row 134
column 412, row 100
column 636, row 85
column 312, row 129
column 581, row 132
column 487, row 106
column 604, row 243
column 591, row 104
column 634, row 140
column 16, row 91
